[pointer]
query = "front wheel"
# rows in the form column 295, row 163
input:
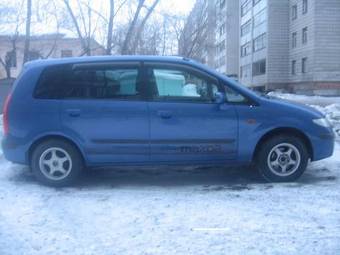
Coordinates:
column 282, row 159
column 56, row 163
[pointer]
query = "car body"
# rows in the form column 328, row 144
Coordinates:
column 143, row 110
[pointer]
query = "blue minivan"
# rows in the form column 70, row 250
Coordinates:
column 64, row 115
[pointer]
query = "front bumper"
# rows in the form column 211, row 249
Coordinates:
column 323, row 145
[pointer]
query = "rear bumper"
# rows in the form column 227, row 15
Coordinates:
column 323, row 146
column 14, row 151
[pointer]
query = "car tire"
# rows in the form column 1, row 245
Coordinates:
column 282, row 159
column 56, row 163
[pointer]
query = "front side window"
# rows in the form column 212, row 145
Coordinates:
column 65, row 82
column 233, row 96
column 176, row 84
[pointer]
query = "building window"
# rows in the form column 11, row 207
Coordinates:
column 245, row 49
column 11, row 58
column 260, row 18
column 259, row 67
column 294, row 40
column 222, row 29
column 256, row 1
column 246, row 7
column 260, row 42
column 293, row 67
column 245, row 29
column 294, row 12
column 304, row 65
column 222, row 61
column 33, row 55
column 221, row 46
column 222, row 3
column 304, row 6
column 304, row 35
column 66, row 53
column 245, row 71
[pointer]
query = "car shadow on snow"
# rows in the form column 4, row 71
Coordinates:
column 208, row 179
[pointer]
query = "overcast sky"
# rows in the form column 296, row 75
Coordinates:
column 172, row 7
column 178, row 6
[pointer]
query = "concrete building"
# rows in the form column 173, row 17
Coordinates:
column 292, row 45
column 197, row 40
column 270, row 44
column 227, row 37
column 43, row 46
column 314, row 50
column 264, row 43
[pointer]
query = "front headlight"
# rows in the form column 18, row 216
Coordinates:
column 323, row 122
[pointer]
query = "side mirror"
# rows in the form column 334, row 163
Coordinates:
column 219, row 98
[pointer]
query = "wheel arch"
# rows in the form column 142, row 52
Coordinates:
column 285, row 131
column 50, row 137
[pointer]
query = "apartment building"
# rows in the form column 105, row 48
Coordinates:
column 314, row 50
column 264, row 43
column 292, row 45
column 227, row 37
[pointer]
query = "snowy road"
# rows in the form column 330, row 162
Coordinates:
column 172, row 211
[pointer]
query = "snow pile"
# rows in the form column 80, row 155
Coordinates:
column 332, row 113
column 310, row 100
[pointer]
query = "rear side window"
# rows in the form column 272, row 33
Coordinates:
column 66, row 82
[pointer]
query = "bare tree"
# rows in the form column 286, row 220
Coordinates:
column 110, row 28
column 10, row 59
column 141, row 26
column 193, row 40
column 132, row 27
column 28, row 30
column 85, row 35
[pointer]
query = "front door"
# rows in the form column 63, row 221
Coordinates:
column 185, row 123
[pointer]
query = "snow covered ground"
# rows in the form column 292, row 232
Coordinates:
column 172, row 211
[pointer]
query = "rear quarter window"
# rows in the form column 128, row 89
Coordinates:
column 66, row 82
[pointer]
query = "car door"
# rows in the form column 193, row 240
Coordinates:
column 185, row 123
column 104, row 107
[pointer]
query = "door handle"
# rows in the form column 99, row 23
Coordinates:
column 164, row 114
column 73, row 112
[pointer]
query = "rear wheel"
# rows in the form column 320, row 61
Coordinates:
column 282, row 159
column 56, row 163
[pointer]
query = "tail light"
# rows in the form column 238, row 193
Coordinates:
column 5, row 114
